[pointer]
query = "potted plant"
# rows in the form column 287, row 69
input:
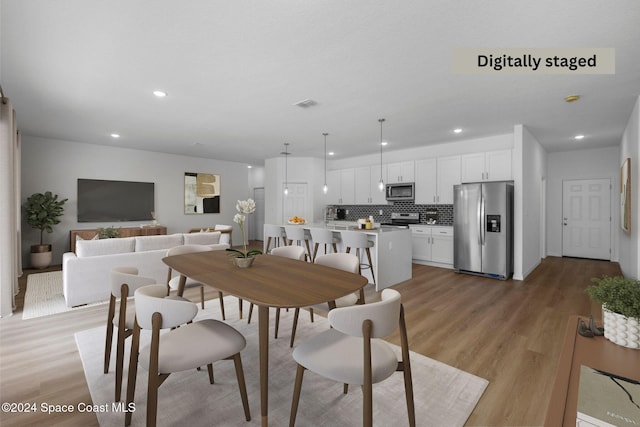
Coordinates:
column 108, row 233
column 244, row 258
column 43, row 211
column 620, row 299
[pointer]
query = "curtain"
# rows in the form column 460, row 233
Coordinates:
column 10, row 251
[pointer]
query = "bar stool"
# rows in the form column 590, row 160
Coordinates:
column 358, row 240
column 272, row 231
column 322, row 236
column 295, row 233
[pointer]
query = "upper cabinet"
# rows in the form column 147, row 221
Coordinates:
column 400, row 172
column 366, row 185
column 341, row 184
column 435, row 178
column 489, row 166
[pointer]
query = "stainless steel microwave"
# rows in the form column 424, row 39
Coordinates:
column 401, row 191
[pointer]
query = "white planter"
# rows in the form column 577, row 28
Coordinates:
column 624, row 331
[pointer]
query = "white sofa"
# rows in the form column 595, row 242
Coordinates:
column 86, row 274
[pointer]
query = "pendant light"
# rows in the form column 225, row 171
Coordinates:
column 381, row 183
column 324, row 187
column 286, row 155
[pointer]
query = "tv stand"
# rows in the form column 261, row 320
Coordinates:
column 152, row 230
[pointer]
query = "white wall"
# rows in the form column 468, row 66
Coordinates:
column 56, row 165
column 580, row 164
column 630, row 243
column 533, row 175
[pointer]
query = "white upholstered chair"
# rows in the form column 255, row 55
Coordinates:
column 179, row 349
column 173, row 282
column 356, row 331
column 322, row 236
column 296, row 234
column 342, row 261
column 358, row 240
column 124, row 282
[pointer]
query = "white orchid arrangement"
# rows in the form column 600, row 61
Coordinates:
column 244, row 208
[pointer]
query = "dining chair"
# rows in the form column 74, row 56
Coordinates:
column 295, row 233
column 292, row 252
column 174, row 282
column 322, row 236
column 357, row 331
column 124, row 282
column 179, row 349
column 275, row 232
column 358, row 240
column 342, row 261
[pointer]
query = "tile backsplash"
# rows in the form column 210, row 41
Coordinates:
column 444, row 212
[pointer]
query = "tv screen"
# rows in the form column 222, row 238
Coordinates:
column 107, row 201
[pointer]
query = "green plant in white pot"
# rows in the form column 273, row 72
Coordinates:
column 43, row 211
column 620, row 299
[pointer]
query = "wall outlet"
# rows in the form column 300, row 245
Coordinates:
column 380, row 211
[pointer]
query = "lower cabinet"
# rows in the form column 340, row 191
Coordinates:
column 432, row 245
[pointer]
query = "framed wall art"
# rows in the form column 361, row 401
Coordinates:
column 625, row 195
column 201, row 193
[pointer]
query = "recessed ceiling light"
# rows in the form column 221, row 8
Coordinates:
column 457, row 130
column 305, row 103
column 578, row 137
column 115, row 135
column 159, row 93
column 249, row 166
column 331, row 153
column 384, row 143
column 572, row 98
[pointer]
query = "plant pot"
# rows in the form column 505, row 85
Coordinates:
column 624, row 331
column 41, row 256
column 243, row 262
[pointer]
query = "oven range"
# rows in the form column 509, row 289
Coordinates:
column 402, row 220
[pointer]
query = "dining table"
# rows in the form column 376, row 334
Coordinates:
column 271, row 282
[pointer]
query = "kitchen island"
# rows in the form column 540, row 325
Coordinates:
column 391, row 251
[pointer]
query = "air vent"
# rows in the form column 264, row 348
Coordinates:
column 305, row 103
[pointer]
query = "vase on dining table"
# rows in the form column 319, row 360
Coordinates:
column 243, row 262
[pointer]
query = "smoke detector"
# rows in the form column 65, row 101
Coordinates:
column 305, row 103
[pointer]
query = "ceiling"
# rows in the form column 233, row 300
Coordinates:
column 79, row 70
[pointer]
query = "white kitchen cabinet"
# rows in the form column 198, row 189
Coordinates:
column 367, row 191
column 341, row 185
column 432, row 245
column 435, row 179
column 487, row 166
column 400, row 172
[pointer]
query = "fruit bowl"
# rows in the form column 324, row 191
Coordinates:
column 296, row 220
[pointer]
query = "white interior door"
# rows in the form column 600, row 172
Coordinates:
column 257, row 226
column 295, row 203
column 586, row 214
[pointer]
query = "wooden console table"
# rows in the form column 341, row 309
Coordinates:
column 124, row 232
column 597, row 353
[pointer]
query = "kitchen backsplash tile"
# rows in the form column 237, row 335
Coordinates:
column 444, row 212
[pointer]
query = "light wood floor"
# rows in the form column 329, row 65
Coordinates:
column 509, row 332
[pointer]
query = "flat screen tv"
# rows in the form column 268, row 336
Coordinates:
column 109, row 201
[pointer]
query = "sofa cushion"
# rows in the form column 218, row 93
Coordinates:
column 152, row 243
column 88, row 248
column 205, row 238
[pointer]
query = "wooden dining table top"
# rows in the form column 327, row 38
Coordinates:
column 271, row 281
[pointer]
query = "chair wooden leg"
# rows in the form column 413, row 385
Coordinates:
column 133, row 371
column 311, row 314
column 345, row 388
column 277, row 323
column 296, row 395
column 308, row 248
column 154, row 375
column 202, row 296
column 210, row 370
column 373, row 275
column 315, row 252
column 294, row 326
column 240, row 304
column 109, row 333
column 266, row 248
column 237, row 361
column 220, row 296
column 367, row 386
column 335, row 248
column 123, row 333
column 406, row 369
column 250, row 313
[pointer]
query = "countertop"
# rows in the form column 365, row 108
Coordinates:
column 346, row 227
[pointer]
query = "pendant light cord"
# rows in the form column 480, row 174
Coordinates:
column 381, row 184
column 325, row 161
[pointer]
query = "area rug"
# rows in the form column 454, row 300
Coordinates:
column 444, row 396
column 44, row 296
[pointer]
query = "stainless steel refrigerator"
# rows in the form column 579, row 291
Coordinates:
column 483, row 228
